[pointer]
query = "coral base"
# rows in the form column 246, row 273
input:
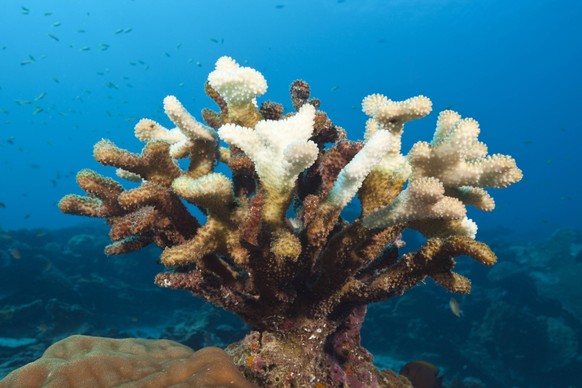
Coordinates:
column 312, row 354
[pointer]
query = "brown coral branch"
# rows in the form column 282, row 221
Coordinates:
column 166, row 202
column 127, row 245
column 102, row 199
column 435, row 259
column 212, row 287
column 271, row 110
column 300, row 92
column 154, row 164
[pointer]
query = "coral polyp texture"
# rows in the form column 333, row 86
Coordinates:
column 273, row 246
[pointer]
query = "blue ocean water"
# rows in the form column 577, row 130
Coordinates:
column 72, row 73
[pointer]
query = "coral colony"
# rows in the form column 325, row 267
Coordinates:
column 274, row 248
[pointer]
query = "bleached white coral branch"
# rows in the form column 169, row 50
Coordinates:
column 393, row 163
column 185, row 122
column 423, row 199
column 280, row 149
column 392, row 115
column 187, row 129
column 460, row 161
column 208, row 191
column 236, row 84
column 128, row 175
column 351, row 177
column 148, row 130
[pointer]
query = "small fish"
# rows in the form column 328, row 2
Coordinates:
column 40, row 96
column 167, row 55
column 85, row 48
column 214, row 40
column 127, row 30
column 37, row 110
column 23, row 102
column 25, row 11
column 54, row 37
column 42, row 327
column 10, row 140
column 448, row 107
column 56, row 80
column 48, row 13
column 119, row 31
column 81, row 31
column 422, row 374
column 455, row 309
column 2, row 110
column 56, row 24
column 112, row 85
column 104, row 46
column 334, row 88
column 26, row 62
column 2, row 205
column 15, row 253
column 280, row 6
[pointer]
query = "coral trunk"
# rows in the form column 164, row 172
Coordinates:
column 312, row 353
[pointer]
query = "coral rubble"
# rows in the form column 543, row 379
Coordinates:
column 274, row 248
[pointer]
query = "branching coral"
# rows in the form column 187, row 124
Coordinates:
column 274, row 248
